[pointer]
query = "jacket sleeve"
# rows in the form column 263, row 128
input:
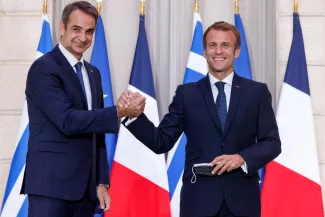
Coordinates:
column 45, row 89
column 268, row 145
column 160, row 139
column 102, row 161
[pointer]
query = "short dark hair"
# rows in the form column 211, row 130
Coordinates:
column 223, row 26
column 83, row 6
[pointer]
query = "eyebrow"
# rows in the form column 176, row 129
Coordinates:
column 74, row 26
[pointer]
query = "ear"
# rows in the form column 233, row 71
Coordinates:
column 62, row 28
column 204, row 54
column 237, row 52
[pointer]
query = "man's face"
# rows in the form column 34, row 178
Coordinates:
column 221, row 51
column 77, row 36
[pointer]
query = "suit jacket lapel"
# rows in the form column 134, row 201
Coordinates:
column 92, row 83
column 208, row 97
column 69, row 73
column 234, row 100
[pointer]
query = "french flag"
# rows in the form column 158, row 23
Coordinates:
column 139, row 185
column 292, row 181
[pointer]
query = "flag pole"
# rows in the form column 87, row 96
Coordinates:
column 44, row 6
column 99, row 6
column 142, row 7
column 196, row 6
column 295, row 6
column 236, row 6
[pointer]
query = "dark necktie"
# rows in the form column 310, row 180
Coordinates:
column 221, row 104
column 79, row 75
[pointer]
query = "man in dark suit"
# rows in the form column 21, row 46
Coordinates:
column 66, row 167
column 229, row 122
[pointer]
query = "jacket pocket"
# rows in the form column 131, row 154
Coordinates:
column 53, row 146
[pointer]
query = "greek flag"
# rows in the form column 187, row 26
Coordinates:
column 196, row 69
column 14, row 204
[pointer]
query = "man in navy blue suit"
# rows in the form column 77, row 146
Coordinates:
column 229, row 122
column 66, row 168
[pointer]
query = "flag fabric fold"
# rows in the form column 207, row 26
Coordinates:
column 14, row 204
column 99, row 58
column 242, row 66
column 292, row 186
column 139, row 185
column 196, row 69
column 242, row 63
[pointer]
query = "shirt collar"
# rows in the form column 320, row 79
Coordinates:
column 227, row 80
column 71, row 59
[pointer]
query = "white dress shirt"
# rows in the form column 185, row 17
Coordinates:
column 227, row 89
column 73, row 61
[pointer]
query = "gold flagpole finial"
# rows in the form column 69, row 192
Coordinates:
column 236, row 6
column 295, row 6
column 44, row 6
column 196, row 6
column 99, row 6
column 142, row 7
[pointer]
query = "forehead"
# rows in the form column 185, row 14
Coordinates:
column 221, row 36
column 80, row 18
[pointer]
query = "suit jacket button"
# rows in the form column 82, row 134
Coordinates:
column 223, row 144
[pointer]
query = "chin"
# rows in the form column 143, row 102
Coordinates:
column 79, row 51
column 219, row 69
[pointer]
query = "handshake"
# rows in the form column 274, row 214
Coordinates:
column 130, row 104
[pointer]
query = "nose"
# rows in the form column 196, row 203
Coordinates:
column 218, row 50
column 82, row 37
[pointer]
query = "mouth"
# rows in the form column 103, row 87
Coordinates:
column 219, row 58
column 80, row 44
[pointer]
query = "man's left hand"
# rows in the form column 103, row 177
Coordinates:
column 227, row 163
column 104, row 198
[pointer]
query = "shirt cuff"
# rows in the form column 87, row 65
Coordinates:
column 105, row 185
column 130, row 120
column 244, row 167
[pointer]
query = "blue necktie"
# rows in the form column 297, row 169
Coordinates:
column 81, row 80
column 221, row 104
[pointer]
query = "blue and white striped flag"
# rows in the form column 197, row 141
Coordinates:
column 14, row 204
column 196, row 69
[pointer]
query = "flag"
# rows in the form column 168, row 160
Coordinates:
column 196, row 69
column 139, row 185
column 243, row 67
column 292, row 186
column 242, row 63
column 14, row 204
column 99, row 58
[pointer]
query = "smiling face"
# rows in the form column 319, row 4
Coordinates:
column 220, row 52
column 77, row 35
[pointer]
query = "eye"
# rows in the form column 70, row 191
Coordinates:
column 90, row 32
column 76, row 29
column 226, row 45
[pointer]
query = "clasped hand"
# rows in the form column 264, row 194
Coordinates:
column 130, row 104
